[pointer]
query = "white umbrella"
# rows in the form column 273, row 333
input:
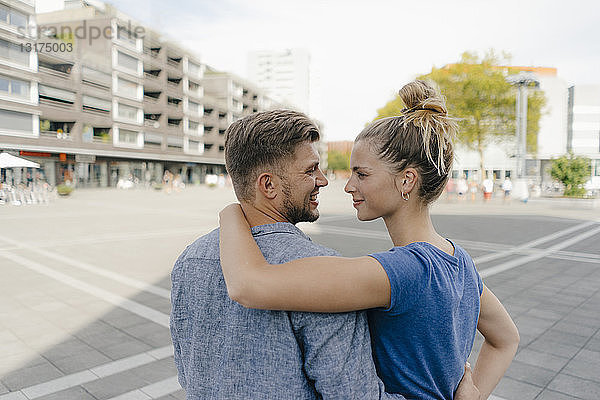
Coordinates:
column 10, row 161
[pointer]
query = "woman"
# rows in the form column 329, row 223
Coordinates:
column 425, row 296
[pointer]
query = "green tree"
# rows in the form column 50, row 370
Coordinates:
column 338, row 161
column 573, row 172
column 479, row 95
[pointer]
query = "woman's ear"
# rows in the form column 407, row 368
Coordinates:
column 407, row 180
column 267, row 185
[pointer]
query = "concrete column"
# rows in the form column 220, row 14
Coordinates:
column 103, row 174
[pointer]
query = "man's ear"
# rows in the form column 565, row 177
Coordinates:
column 267, row 184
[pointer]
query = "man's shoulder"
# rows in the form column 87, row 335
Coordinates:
column 205, row 247
column 301, row 246
column 277, row 246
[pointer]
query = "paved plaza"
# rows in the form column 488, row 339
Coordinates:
column 84, row 288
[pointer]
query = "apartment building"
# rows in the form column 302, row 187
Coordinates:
column 19, row 113
column 113, row 100
column 228, row 97
column 284, row 74
column 583, row 129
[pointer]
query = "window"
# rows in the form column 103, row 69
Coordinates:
column 12, row 17
column 95, row 104
column 193, row 125
column 126, row 136
column 56, row 95
column 208, row 146
column 152, row 139
column 194, row 145
column 127, row 61
column 194, row 69
column 174, row 101
column 194, row 107
column 127, row 88
column 174, row 142
column 14, row 87
column 101, row 135
column 96, row 77
column 125, row 35
column 55, row 126
column 597, row 169
column 221, row 148
column 193, row 87
column 128, row 112
column 61, row 130
column 12, row 120
column 12, row 52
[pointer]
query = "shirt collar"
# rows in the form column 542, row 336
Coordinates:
column 277, row 227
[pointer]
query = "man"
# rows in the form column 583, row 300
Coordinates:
column 225, row 351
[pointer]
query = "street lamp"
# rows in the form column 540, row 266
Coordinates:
column 523, row 81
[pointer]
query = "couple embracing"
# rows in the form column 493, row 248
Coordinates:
column 259, row 311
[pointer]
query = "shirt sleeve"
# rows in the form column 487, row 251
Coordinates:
column 479, row 281
column 178, row 321
column 407, row 274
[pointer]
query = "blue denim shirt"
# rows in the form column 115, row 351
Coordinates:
column 226, row 351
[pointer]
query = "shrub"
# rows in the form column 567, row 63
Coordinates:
column 573, row 172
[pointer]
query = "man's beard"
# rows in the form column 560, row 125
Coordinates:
column 296, row 212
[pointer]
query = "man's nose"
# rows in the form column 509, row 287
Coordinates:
column 321, row 179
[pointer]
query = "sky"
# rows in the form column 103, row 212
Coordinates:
column 362, row 52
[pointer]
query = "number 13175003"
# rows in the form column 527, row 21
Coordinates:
column 47, row 47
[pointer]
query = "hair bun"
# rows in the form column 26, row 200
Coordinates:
column 426, row 109
column 422, row 96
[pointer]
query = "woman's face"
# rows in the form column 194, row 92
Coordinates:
column 372, row 184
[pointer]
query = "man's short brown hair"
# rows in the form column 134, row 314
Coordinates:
column 264, row 140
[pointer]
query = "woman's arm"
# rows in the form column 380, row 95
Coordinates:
column 318, row 284
column 500, row 345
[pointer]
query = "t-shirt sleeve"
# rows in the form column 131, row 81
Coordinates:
column 407, row 274
column 479, row 281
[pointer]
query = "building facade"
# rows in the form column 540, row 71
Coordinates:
column 19, row 111
column 583, row 129
column 111, row 100
column 284, row 75
column 500, row 157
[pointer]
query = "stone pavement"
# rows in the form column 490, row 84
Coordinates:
column 84, row 294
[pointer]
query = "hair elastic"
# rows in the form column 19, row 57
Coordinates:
column 415, row 108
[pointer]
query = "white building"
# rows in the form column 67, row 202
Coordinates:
column 18, row 67
column 500, row 157
column 283, row 74
column 583, row 126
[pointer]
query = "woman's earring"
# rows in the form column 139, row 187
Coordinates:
column 405, row 196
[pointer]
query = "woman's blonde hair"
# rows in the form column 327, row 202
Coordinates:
column 421, row 137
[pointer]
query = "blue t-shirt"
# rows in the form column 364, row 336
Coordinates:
column 422, row 341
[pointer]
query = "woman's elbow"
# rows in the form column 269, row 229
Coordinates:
column 241, row 295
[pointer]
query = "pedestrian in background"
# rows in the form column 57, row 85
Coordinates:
column 488, row 188
column 462, row 187
column 507, row 187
